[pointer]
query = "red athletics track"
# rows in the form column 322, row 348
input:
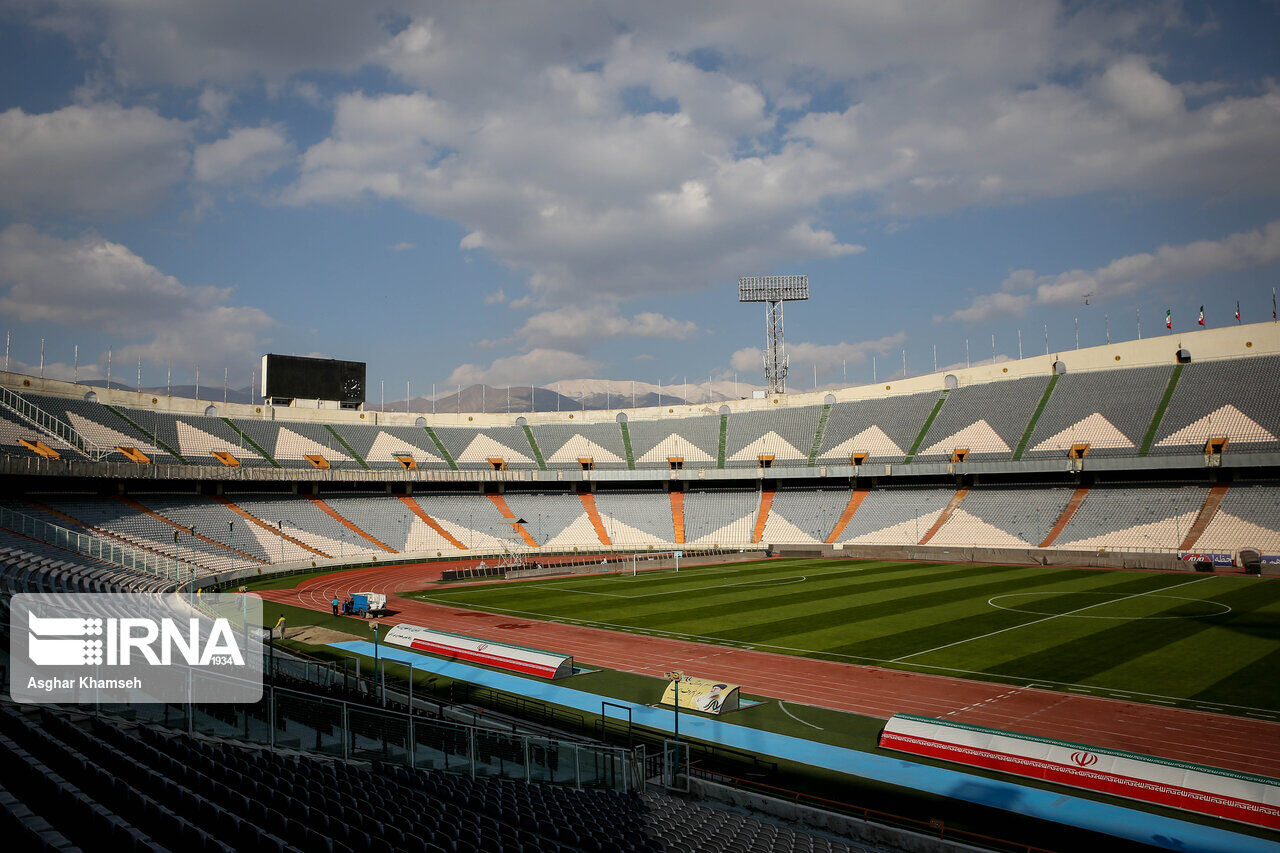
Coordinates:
column 1218, row 740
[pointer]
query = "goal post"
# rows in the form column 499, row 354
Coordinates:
column 648, row 561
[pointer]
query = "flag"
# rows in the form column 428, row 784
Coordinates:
column 1168, row 318
column 1201, row 321
column 1237, row 310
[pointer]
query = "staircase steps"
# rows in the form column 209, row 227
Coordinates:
column 626, row 443
column 336, row 516
column 817, row 436
column 915, row 445
column 1160, row 410
column 444, row 453
column 1068, row 511
column 155, row 439
column 1031, row 424
column 589, row 504
column 351, row 451
column 421, row 513
column 249, row 441
column 855, row 501
column 533, row 445
column 677, row 515
column 762, row 514
column 724, row 440
column 132, row 504
column 250, row 517
column 501, row 503
column 1207, row 511
column 945, row 515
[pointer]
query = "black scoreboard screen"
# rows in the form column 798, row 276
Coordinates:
column 295, row 377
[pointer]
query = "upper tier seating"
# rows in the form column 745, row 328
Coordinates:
column 786, row 434
column 380, row 446
column 1236, row 398
column 883, row 429
column 105, row 428
column 1109, row 410
column 289, row 443
column 987, row 420
column 695, row 440
column 474, row 448
column 563, row 446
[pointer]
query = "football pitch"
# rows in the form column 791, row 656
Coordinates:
column 1193, row 640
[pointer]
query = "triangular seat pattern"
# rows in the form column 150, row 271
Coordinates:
column 1095, row 430
column 483, row 448
column 1225, row 421
column 581, row 447
column 872, row 440
column 977, row 437
column 769, row 444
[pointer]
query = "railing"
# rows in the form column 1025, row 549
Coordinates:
column 339, row 728
column 50, row 425
column 105, row 550
column 933, row 827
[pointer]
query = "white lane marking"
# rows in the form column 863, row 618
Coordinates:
column 797, row 719
column 1048, row 618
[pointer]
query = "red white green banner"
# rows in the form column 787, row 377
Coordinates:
column 1193, row 787
column 488, row 653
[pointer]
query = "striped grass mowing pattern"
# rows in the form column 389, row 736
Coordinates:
column 1197, row 639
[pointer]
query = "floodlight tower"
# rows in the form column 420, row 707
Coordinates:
column 774, row 290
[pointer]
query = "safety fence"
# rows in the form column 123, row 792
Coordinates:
column 104, row 550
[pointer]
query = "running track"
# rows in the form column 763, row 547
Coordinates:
column 1218, row 740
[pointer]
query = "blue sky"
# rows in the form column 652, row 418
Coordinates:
column 542, row 191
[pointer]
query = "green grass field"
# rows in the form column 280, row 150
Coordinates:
column 1194, row 640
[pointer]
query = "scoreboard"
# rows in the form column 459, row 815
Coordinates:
column 297, row 378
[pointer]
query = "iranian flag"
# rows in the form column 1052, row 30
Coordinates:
column 1168, row 318
column 1237, row 310
column 1201, row 321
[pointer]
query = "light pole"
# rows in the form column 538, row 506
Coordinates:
column 377, row 665
column 675, row 677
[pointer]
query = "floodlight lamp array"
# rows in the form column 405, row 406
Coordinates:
column 773, row 288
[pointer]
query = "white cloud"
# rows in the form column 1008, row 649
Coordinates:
column 90, row 159
column 537, row 365
column 1132, row 86
column 68, row 372
column 403, row 247
column 1158, row 270
column 91, row 283
column 577, row 328
column 496, row 298
column 804, row 354
column 246, row 155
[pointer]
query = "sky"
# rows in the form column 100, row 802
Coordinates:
column 518, row 193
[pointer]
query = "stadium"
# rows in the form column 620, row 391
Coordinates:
column 1024, row 605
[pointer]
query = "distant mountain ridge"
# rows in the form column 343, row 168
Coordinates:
column 562, row 396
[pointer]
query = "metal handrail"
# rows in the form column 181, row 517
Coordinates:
column 104, row 550
column 50, row 425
